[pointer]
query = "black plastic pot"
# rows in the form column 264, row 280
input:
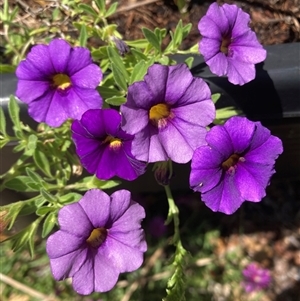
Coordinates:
column 272, row 98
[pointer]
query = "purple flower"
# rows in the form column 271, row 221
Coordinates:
column 236, row 165
column 255, row 278
column 100, row 237
column 228, row 44
column 103, row 147
column 58, row 82
column 168, row 112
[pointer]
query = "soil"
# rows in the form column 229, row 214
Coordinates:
column 274, row 21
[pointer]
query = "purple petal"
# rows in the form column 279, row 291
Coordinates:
column 79, row 226
column 80, row 100
column 252, row 181
column 210, row 48
column 218, row 138
column 218, row 64
column 209, row 29
column 27, row 91
column 156, row 80
column 67, row 265
column 130, row 220
column 120, row 202
column 84, row 278
column 247, row 49
column 26, row 70
column 225, row 197
column 241, row 131
column 80, row 57
column 139, row 96
column 188, row 136
column 49, row 108
column 55, row 114
column 197, row 92
column 198, row 114
column 61, row 243
column 106, row 275
column 123, row 257
column 206, row 169
column 179, row 80
column 134, row 120
column 238, row 20
column 39, row 58
column 216, row 13
column 87, row 77
column 59, row 51
column 95, row 204
column 240, row 73
column 146, row 146
column 92, row 124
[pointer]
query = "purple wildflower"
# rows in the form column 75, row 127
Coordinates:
column 103, row 147
column 236, row 165
column 228, row 44
column 58, row 82
column 100, row 237
column 255, row 278
column 168, row 112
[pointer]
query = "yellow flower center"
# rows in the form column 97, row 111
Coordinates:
column 114, row 143
column 97, row 237
column 61, row 81
column 159, row 113
column 230, row 164
column 225, row 44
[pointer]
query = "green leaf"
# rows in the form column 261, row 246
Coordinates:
column 69, row 198
column 44, row 210
column 225, row 113
column 186, row 30
column 215, row 97
column 119, row 78
column 138, row 54
column 116, row 100
column 42, row 162
column 88, row 9
column 20, row 183
column 48, row 196
column 4, row 68
column 26, row 236
column 19, row 147
column 138, row 72
column 32, row 140
column 101, row 5
column 189, row 62
column 152, row 38
column 49, row 223
column 96, row 183
column 100, row 53
column 108, row 92
column 111, row 9
column 13, row 212
column 27, row 209
column 3, row 142
column 142, row 43
column 83, row 36
column 117, row 62
column 177, row 39
column 14, row 110
column 36, row 178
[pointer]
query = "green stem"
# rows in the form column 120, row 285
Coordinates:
column 173, row 214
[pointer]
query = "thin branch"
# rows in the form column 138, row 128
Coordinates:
column 135, row 5
column 25, row 289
